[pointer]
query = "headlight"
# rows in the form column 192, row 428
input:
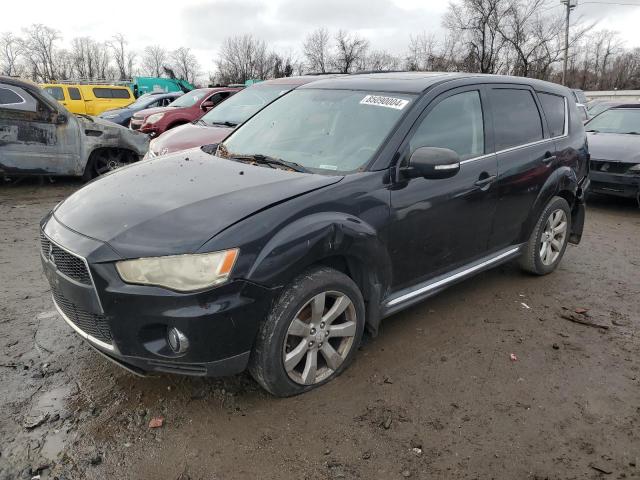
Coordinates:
column 635, row 169
column 183, row 273
column 154, row 118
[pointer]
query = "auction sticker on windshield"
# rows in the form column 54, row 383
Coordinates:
column 380, row 101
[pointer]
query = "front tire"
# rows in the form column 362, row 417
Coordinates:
column 311, row 333
column 548, row 241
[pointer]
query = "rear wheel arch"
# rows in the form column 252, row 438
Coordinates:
column 563, row 183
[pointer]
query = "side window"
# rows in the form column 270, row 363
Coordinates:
column 120, row 93
column 74, row 93
column 455, row 123
column 55, row 92
column 16, row 99
column 216, row 99
column 9, row 97
column 554, row 110
column 102, row 92
column 516, row 117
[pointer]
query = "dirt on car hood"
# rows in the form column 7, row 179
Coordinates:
column 174, row 204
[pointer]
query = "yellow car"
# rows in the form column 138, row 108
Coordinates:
column 89, row 99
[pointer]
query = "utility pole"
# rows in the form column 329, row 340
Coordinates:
column 571, row 4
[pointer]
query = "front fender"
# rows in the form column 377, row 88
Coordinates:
column 317, row 237
column 563, row 180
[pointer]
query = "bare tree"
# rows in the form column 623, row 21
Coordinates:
column 478, row 22
column 380, row 60
column 153, row 59
column 186, row 64
column 317, row 51
column 39, row 48
column 242, row 58
column 10, row 55
column 123, row 58
column 90, row 59
column 351, row 50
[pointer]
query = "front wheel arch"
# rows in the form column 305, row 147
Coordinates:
column 91, row 171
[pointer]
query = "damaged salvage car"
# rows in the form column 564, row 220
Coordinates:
column 38, row 136
column 614, row 143
column 339, row 204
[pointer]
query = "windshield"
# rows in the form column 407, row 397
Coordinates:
column 189, row 99
column 616, row 120
column 144, row 101
column 597, row 108
column 321, row 130
column 244, row 104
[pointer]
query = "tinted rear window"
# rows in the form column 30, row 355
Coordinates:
column 554, row 111
column 516, row 117
column 55, row 92
column 102, row 92
column 74, row 93
column 9, row 97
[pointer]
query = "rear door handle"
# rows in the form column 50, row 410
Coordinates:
column 483, row 182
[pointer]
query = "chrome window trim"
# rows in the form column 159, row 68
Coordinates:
column 451, row 278
column 565, row 134
column 86, row 264
column 82, row 333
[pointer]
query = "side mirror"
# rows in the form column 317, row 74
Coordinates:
column 61, row 119
column 206, row 105
column 433, row 163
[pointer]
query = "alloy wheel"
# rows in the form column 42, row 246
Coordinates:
column 553, row 237
column 107, row 161
column 319, row 338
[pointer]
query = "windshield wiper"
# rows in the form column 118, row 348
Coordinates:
column 271, row 161
column 199, row 122
column 631, row 133
column 593, row 130
column 226, row 124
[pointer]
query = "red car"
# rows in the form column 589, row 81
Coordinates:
column 184, row 109
column 215, row 125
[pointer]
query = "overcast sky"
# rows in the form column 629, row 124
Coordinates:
column 203, row 24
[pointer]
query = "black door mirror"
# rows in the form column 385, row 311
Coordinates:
column 432, row 162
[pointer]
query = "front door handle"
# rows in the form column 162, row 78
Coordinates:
column 548, row 158
column 483, row 182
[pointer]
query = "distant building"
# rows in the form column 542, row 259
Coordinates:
column 614, row 95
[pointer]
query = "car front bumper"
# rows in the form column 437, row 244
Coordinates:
column 129, row 323
column 618, row 184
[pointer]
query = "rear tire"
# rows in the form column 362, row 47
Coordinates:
column 548, row 241
column 311, row 333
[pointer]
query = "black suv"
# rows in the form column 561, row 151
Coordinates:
column 343, row 202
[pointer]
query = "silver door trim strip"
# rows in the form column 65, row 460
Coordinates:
column 451, row 278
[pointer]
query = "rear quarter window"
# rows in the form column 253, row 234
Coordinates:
column 554, row 111
column 515, row 116
column 9, row 97
column 120, row 93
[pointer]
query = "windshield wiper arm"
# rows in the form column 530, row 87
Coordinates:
column 593, row 130
column 271, row 161
column 226, row 124
column 631, row 133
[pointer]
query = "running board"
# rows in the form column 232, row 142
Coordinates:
column 417, row 293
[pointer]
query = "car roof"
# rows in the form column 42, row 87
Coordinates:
column 418, row 82
column 297, row 80
column 19, row 82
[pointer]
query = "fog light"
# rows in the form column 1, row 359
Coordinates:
column 178, row 341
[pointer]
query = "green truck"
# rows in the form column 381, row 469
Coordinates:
column 142, row 85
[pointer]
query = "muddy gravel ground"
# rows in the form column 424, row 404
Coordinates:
column 436, row 395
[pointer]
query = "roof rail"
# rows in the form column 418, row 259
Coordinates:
column 91, row 81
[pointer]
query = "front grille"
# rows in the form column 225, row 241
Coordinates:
column 90, row 323
column 66, row 263
column 610, row 167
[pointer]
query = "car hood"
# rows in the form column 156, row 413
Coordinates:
column 188, row 136
column 174, row 204
column 116, row 111
column 149, row 111
column 615, row 147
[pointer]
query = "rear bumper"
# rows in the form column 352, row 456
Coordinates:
column 618, row 184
